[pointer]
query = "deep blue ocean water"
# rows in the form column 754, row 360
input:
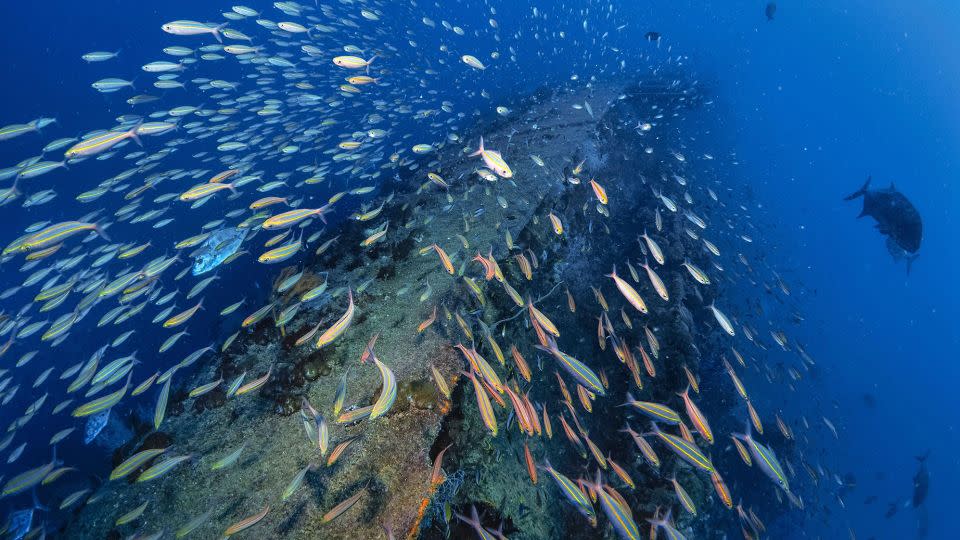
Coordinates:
column 811, row 103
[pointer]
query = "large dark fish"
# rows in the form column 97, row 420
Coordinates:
column 896, row 218
column 771, row 10
column 921, row 481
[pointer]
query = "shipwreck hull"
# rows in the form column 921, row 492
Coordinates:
column 391, row 458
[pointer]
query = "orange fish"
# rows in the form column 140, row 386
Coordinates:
column 427, row 323
column 444, row 259
column 522, row 365
column 754, row 417
column 532, row 413
column 621, row 472
column 647, row 362
column 696, row 416
column 531, row 465
column 488, row 268
column 437, row 477
column 524, row 266
column 547, row 427
column 599, row 191
column 520, row 411
column 721, row 488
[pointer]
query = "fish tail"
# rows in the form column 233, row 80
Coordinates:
column 134, row 135
column 36, row 501
column 910, row 262
column 860, row 191
column 480, row 151
column 322, row 214
column 463, row 518
column 922, row 458
column 473, row 514
column 100, row 230
column 658, row 521
column 216, row 31
column 747, row 432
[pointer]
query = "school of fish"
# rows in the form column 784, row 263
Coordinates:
column 313, row 125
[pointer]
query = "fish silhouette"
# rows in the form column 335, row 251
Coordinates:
column 896, row 218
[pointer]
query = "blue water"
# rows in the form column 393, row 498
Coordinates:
column 829, row 93
column 810, row 103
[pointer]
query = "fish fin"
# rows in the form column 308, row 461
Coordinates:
column 468, row 520
column 480, row 151
column 658, row 521
column 860, row 191
column 909, row 266
column 100, row 230
column 216, row 32
column 136, row 136
column 36, row 501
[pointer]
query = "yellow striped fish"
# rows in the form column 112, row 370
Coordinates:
column 340, row 326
